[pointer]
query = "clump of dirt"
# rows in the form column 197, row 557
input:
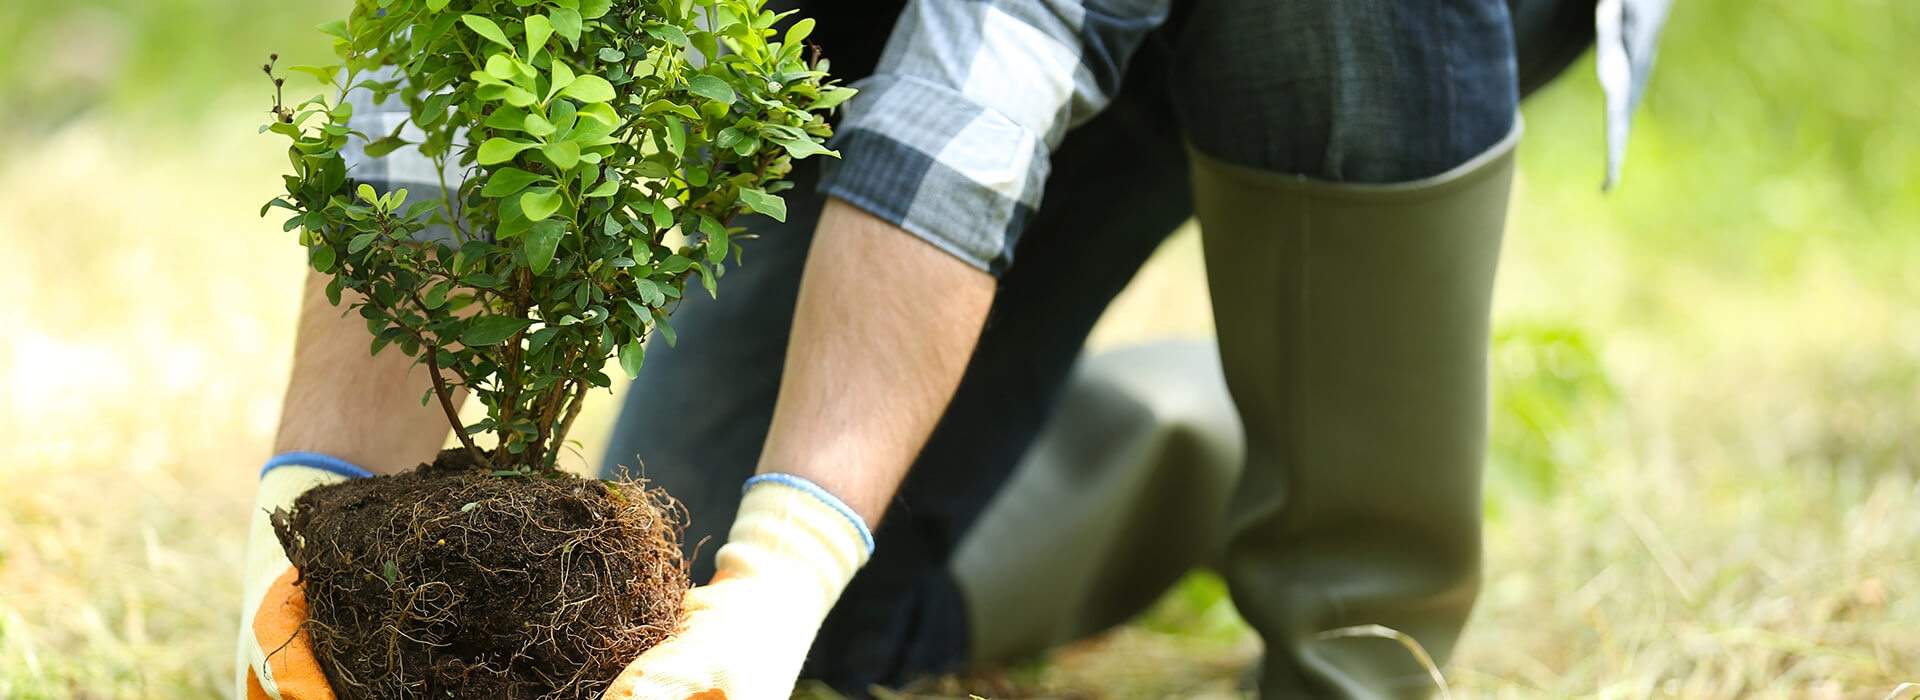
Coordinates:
column 448, row 581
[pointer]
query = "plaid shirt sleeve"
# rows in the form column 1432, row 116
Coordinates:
column 950, row 138
column 404, row 168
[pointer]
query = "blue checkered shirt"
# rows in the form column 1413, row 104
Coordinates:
column 951, row 138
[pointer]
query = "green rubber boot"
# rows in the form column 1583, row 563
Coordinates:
column 1353, row 326
column 1120, row 495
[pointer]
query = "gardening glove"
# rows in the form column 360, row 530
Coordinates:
column 792, row 549
column 275, row 659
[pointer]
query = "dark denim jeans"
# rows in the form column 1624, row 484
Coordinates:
column 1347, row 90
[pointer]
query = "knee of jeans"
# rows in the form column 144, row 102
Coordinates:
column 1366, row 91
column 1406, row 146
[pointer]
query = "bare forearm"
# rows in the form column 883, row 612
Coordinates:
column 344, row 402
column 882, row 331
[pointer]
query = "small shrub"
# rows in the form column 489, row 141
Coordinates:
column 605, row 147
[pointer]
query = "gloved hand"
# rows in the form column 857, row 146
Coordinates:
column 275, row 659
column 744, row 635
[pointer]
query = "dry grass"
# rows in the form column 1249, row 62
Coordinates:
column 1704, row 482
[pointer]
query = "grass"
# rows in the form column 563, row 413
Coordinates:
column 1703, row 481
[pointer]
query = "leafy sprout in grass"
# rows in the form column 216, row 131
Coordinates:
column 586, row 133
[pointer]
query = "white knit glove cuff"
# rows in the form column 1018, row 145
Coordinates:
column 285, row 477
column 798, row 533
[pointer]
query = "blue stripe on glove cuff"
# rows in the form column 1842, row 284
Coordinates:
column 814, row 489
column 325, row 463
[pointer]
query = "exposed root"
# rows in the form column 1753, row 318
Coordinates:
column 451, row 583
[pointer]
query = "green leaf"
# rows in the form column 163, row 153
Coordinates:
column 668, row 33
column 728, row 137
column 803, row 147
column 567, row 23
column 538, row 339
column 666, row 331
column 507, row 181
column 492, row 330
column 650, row 292
column 716, row 239
column 540, row 203
column 437, row 5
column 383, row 146
column 435, row 107
column 631, row 355
column 717, row 247
column 832, row 97
column 663, row 219
column 590, row 88
column 564, row 154
column 322, row 258
column 486, row 28
column 541, row 241
column 366, row 193
column 436, row 295
column 519, row 97
column 612, row 55
column 513, row 118
column 592, row 132
column 706, row 44
column 651, row 170
column 324, row 74
column 603, row 113
column 708, row 280
column 770, row 204
column 606, row 189
column 539, row 28
column 562, row 77
column 337, row 28
column 360, row 242
column 595, row 9
column 676, row 135
column 563, row 114
column 800, row 31
column 501, row 150
column 536, row 125
column 501, row 66
column 711, row 88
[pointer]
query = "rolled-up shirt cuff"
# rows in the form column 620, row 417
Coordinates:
column 962, row 177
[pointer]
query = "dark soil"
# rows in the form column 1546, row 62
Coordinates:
column 449, row 582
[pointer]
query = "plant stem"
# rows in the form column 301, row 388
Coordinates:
column 446, row 404
column 566, row 424
column 443, row 393
column 510, row 353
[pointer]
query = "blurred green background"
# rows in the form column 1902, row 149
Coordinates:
column 1702, row 480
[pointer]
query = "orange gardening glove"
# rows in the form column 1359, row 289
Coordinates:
column 295, row 672
column 743, row 636
column 275, row 658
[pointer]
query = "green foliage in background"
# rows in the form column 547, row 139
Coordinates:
column 587, row 132
column 1771, row 129
column 1551, row 399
